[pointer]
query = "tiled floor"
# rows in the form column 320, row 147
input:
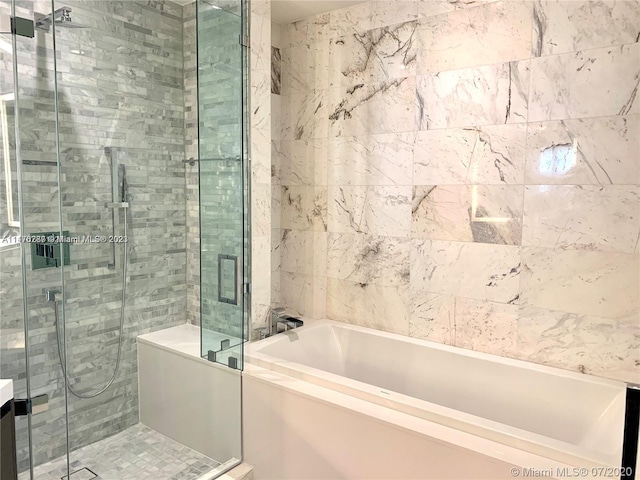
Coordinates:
column 138, row 453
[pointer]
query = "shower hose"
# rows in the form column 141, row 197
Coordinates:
column 62, row 354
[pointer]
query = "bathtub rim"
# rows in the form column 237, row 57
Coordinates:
column 508, row 435
column 188, row 347
column 254, row 347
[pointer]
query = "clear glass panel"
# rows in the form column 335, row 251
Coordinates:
column 36, row 216
column 94, row 157
column 13, row 355
column 121, row 117
column 220, row 93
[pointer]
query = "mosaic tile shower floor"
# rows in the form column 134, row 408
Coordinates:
column 137, row 453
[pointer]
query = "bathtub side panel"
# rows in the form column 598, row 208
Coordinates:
column 292, row 436
column 190, row 401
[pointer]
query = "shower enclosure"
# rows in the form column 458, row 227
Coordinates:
column 123, row 210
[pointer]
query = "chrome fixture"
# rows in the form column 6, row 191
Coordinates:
column 261, row 332
column 119, row 197
column 51, row 295
column 62, row 18
column 32, row 406
column 192, row 161
column 290, row 322
column 278, row 317
column 120, row 203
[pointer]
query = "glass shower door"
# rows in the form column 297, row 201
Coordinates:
column 222, row 179
column 14, row 360
column 29, row 259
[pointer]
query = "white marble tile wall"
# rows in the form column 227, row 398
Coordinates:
column 261, row 118
column 295, row 165
column 466, row 172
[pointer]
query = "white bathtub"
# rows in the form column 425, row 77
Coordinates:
column 187, row 398
column 573, row 419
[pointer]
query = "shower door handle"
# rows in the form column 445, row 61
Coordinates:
column 233, row 261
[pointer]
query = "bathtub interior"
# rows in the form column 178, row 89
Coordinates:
column 582, row 411
column 187, row 339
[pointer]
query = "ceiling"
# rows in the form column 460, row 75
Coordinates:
column 285, row 11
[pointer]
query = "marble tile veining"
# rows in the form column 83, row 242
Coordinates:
column 306, row 67
column 380, row 107
column 602, row 284
column 428, row 8
column 432, row 316
column 304, row 208
column 303, row 162
column 583, row 217
column 304, row 116
column 376, row 210
column 383, row 159
column 486, row 326
column 303, row 251
column 276, row 71
column 356, row 18
column 492, row 33
column 260, row 37
column 490, row 155
column 560, row 84
column 581, row 342
column 368, row 259
column 464, row 322
column 389, row 12
column 584, row 151
column 376, row 55
column 487, row 95
column 374, row 306
column 474, row 270
column 304, row 294
column 564, row 26
column 261, row 207
column 478, row 213
column 298, row 33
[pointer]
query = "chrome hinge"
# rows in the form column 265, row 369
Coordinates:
column 17, row 25
column 35, row 405
column 247, row 288
column 23, row 27
column 243, row 40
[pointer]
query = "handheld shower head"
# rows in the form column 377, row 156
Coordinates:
column 122, row 183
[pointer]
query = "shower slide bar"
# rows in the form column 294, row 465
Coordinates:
column 119, row 200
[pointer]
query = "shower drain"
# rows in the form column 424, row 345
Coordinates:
column 82, row 474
